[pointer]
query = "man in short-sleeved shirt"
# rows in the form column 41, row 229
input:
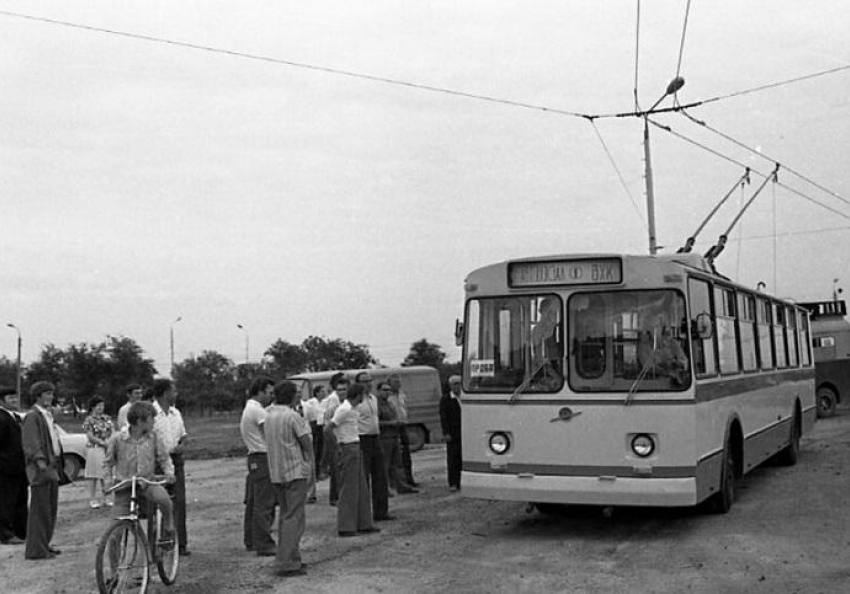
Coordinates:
column 260, row 495
column 290, row 444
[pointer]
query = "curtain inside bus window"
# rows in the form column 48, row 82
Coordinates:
column 627, row 339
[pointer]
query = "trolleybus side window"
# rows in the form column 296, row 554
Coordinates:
column 804, row 338
column 793, row 339
column 779, row 335
column 515, row 342
column 702, row 348
column 747, row 329
column 765, row 322
column 727, row 335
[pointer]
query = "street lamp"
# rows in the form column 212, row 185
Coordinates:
column 241, row 327
column 16, row 329
column 171, row 328
column 672, row 88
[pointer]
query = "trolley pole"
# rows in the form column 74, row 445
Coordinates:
column 18, row 387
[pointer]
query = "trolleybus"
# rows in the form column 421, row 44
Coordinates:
column 619, row 380
column 831, row 342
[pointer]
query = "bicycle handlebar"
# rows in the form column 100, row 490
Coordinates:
column 138, row 479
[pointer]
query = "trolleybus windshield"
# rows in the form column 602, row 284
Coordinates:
column 628, row 341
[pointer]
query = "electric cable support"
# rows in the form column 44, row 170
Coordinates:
column 717, row 248
column 689, row 244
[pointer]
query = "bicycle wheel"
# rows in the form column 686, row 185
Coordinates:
column 121, row 564
column 166, row 552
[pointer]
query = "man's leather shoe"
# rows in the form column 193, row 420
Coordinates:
column 346, row 533
column 386, row 518
column 268, row 553
column 185, row 552
column 292, row 572
column 369, row 530
column 54, row 550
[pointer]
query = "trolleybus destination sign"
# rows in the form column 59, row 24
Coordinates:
column 565, row 272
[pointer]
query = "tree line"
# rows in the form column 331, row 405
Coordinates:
column 206, row 383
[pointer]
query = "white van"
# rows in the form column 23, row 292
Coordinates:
column 420, row 383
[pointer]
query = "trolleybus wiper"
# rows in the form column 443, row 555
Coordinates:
column 525, row 382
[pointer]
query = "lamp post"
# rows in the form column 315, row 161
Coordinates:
column 171, row 328
column 673, row 87
column 241, row 327
column 16, row 329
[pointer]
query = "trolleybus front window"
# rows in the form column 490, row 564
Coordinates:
column 628, row 341
column 514, row 343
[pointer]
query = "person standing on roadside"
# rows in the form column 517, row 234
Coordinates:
column 450, row 422
column 339, row 385
column 370, row 448
column 260, row 494
column 388, row 419
column 290, row 444
column 134, row 394
column 399, row 400
column 98, row 430
column 354, row 511
column 13, row 478
column 43, row 454
column 168, row 426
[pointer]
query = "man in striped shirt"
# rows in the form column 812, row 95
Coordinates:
column 290, row 450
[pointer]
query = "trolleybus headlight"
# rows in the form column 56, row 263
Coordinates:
column 643, row 445
column 500, row 443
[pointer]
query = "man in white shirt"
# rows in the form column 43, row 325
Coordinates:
column 260, row 495
column 169, row 427
column 399, row 400
column 330, row 455
column 370, row 449
column 134, row 394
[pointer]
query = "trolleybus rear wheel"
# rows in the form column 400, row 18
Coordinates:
column 826, row 402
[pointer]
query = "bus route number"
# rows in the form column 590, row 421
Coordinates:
column 482, row 368
column 565, row 272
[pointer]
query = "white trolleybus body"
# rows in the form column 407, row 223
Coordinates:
column 627, row 380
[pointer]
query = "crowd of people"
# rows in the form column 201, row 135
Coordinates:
column 356, row 437
column 148, row 442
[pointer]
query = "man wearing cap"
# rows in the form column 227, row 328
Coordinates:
column 450, row 422
column 43, row 454
column 13, row 479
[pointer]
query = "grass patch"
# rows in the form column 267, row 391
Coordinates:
column 215, row 436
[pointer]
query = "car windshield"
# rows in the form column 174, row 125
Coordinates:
column 628, row 341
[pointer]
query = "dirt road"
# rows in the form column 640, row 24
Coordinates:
column 788, row 532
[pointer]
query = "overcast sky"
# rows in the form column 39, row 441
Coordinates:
column 144, row 180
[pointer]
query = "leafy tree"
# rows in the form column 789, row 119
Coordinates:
column 324, row 354
column 50, row 367
column 201, row 381
column 83, row 374
column 125, row 363
column 285, row 359
column 423, row 352
column 8, row 372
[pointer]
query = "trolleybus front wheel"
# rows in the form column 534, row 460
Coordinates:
column 721, row 502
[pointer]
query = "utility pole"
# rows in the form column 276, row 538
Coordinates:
column 241, row 327
column 16, row 329
column 675, row 84
column 171, row 333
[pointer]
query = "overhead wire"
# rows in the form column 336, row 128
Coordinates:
column 740, row 144
column 720, row 155
column 469, row 95
column 617, row 170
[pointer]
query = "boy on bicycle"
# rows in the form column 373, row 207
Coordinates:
column 135, row 451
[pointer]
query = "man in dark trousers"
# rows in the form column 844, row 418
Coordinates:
column 13, row 478
column 450, row 422
column 42, row 454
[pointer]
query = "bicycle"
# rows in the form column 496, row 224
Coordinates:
column 125, row 554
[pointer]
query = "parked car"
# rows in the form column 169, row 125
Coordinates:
column 73, row 452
